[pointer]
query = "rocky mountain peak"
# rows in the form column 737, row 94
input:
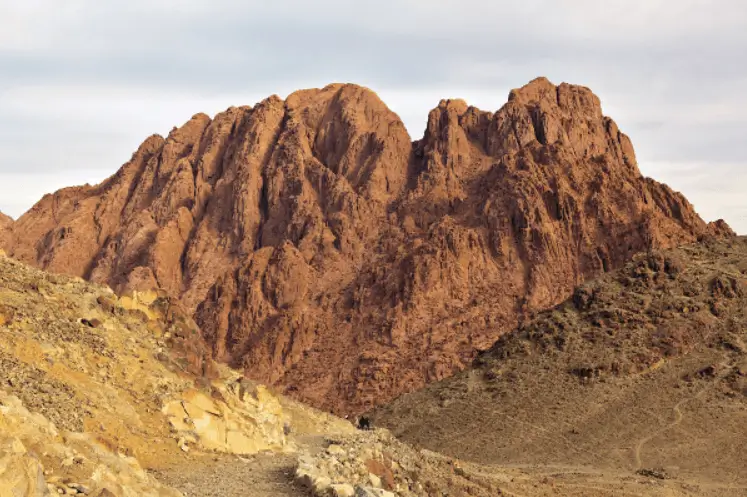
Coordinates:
column 324, row 252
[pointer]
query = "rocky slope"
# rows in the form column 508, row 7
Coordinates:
column 324, row 252
column 643, row 370
column 96, row 390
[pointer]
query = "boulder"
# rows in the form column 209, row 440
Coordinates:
column 21, row 475
column 241, row 423
column 372, row 492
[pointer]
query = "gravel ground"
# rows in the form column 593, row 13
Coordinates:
column 229, row 476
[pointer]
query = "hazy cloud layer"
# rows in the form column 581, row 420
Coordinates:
column 82, row 82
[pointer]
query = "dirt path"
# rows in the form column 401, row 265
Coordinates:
column 268, row 475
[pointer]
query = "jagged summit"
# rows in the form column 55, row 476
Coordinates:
column 325, row 252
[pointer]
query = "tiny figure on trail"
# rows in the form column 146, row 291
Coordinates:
column 363, row 423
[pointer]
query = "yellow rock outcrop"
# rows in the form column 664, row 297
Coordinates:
column 235, row 420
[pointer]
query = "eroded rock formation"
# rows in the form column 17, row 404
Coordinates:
column 322, row 250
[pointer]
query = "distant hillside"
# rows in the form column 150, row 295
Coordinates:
column 643, row 369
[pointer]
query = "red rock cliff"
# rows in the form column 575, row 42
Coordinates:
column 326, row 253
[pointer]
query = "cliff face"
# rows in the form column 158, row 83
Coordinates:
column 321, row 249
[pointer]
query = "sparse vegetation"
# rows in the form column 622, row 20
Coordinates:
column 642, row 368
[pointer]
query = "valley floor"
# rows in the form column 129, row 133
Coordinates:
column 268, row 474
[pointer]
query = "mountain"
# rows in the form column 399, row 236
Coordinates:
column 325, row 253
column 643, row 369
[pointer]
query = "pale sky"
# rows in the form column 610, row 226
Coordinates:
column 84, row 82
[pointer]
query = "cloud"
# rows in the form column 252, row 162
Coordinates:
column 83, row 82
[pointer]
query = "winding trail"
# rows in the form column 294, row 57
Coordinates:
column 678, row 417
column 262, row 475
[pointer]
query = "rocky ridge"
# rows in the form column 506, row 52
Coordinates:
column 323, row 252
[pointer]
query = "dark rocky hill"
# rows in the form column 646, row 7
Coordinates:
column 642, row 370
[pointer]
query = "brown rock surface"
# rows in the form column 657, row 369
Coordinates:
column 6, row 222
column 323, row 251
